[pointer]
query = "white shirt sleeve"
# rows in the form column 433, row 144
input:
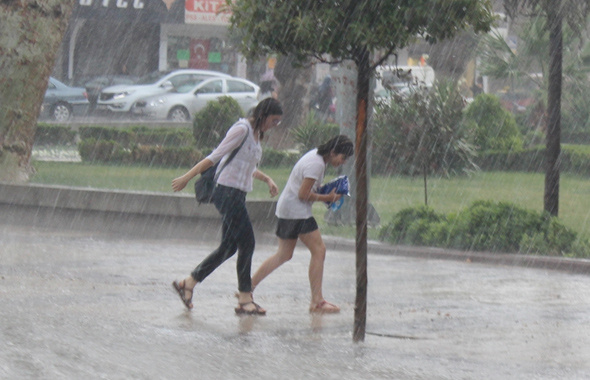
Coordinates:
column 231, row 141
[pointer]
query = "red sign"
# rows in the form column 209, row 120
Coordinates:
column 206, row 12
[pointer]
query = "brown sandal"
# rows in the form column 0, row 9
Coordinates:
column 181, row 293
column 256, row 311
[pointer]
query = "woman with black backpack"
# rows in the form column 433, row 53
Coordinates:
column 229, row 198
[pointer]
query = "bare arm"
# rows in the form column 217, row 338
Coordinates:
column 272, row 186
column 307, row 194
column 180, row 182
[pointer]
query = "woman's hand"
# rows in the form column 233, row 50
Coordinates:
column 179, row 183
column 273, row 189
column 333, row 196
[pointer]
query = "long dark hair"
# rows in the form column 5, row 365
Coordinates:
column 340, row 144
column 264, row 109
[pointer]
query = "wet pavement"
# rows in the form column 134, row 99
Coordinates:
column 87, row 305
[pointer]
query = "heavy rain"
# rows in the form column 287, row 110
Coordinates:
column 461, row 250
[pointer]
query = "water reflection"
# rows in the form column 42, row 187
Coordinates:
column 316, row 322
column 246, row 323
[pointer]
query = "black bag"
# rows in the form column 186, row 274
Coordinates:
column 205, row 185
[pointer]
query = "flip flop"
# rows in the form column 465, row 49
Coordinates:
column 324, row 307
column 256, row 311
column 180, row 290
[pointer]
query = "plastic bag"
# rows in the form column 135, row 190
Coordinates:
column 341, row 185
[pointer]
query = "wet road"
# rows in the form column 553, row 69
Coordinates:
column 80, row 305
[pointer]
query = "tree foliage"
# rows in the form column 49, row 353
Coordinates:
column 574, row 12
column 343, row 28
column 499, row 60
column 422, row 133
column 556, row 12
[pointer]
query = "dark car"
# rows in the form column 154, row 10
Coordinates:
column 61, row 102
column 95, row 85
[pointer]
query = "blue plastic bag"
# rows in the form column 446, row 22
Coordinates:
column 341, row 185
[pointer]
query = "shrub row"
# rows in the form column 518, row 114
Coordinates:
column 272, row 158
column 66, row 135
column 573, row 159
column 110, row 151
column 140, row 135
column 485, row 226
column 55, row 135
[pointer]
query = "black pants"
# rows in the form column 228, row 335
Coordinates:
column 237, row 235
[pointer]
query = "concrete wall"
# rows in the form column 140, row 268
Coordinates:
column 143, row 213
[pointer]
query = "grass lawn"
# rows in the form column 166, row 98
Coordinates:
column 388, row 194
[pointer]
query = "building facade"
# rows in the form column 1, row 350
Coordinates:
column 136, row 37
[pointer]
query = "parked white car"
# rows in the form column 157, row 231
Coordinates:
column 121, row 98
column 182, row 103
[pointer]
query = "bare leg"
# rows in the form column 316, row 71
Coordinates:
column 284, row 253
column 313, row 241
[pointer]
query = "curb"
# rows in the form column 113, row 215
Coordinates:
column 565, row 264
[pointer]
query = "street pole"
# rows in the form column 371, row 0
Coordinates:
column 360, row 305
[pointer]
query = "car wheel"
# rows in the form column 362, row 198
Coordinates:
column 61, row 112
column 179, row 114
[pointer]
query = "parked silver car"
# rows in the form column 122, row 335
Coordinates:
column 61, row 102
column 181, row 104
column 121, row 98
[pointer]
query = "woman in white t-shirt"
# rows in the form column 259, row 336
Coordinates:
column 297, row 222
column 229, row 198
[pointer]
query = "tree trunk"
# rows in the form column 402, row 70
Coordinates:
column 30, row 34
column 360, row 307
column 294, row 97
column 425, row 174
column 553, row 147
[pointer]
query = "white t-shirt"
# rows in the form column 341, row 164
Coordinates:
column 289, row 206
column 238, row 173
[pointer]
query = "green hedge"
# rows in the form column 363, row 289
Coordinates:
column 486, row 226
column 138, row 145
column 272, row 158
column 55, row 135
column 140, row 135
column 574, row 159
column 110, row 151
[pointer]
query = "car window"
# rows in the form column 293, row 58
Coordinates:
column 186, row 87
column 237, row 86
column 214, row 87
column 150, row 78
column 181, row 80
